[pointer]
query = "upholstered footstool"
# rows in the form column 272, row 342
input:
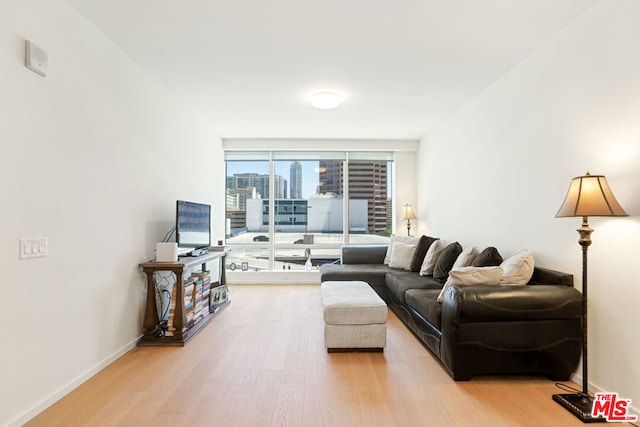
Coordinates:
column 355, row 317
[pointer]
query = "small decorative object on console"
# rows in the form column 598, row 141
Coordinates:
column 219, row 296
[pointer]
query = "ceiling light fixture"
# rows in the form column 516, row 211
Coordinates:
column 325, row 100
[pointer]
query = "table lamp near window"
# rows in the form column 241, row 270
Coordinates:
column 588, row 195
column 408, row 214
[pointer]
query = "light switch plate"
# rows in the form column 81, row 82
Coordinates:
column 36, row 58
column 33, row 247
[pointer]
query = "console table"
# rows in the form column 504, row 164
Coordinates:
column 153, row 335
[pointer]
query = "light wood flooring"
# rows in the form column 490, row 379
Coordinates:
column 262, row 362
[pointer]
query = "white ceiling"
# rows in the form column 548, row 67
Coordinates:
column 249, row 66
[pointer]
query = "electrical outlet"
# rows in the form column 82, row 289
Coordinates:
column 33, row 248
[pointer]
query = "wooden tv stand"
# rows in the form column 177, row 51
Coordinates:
column 153, row 335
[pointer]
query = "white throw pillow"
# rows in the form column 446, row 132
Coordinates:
column 401, row 255
column 518, row 269
column 465, row 258
column 472, row 276
column 431, row 257
column 402, row 239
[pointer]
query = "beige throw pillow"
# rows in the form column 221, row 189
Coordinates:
column 472, row 276
column 431, row 257
column 465, row 258
column 518, row 269
column 401, row 255
column 402, row 239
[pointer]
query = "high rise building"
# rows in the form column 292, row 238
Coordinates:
column 295, row 179
column 238, row 198
column 367, row 181
column 248, row 186
column 260, row 182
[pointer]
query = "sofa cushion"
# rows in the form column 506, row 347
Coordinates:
column 487, row 258
column 398, row 282
column 426, row 269
column 421, row 251
column 373, row 274
column 401, row 255
column 446, row 260
column 472, row 276
column 424, row 302
column 363, row 254
column 402, row 239
column 518, row 269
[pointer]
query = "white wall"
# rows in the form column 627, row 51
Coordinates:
column 405, row 190
column 89, row 158
column 496, row 172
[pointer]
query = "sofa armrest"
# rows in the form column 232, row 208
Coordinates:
column 511, row 329
column 464, row 304
column 546, row 276
column 363, row 254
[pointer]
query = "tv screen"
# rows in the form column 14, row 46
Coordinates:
column 193, row 224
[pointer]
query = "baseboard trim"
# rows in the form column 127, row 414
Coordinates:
column 71, row 385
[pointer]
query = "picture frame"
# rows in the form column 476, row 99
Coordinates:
column 218, row 296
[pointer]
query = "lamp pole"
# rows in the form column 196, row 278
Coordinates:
column 585, row 241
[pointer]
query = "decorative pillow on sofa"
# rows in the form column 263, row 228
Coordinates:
column 465, row 258
column 402, row 239
column 401, row 255
column 487, row 258
column 421, row 251
column 426, row 269
column 518, row 269
column 472, row 276
column 445, row 261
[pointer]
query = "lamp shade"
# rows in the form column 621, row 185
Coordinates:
column 590, row 195
column 408, row 213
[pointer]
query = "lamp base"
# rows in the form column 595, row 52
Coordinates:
column 580, row 405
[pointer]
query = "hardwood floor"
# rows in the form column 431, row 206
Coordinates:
column 262, row 362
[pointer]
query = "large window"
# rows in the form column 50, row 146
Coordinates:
column 285, row 208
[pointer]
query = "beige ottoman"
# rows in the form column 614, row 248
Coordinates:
column 355, row 317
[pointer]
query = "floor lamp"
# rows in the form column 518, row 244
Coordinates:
column 408, row 214
column 588, row 195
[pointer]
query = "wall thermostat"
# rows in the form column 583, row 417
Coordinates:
column 36, row 58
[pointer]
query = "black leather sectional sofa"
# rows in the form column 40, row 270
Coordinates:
column 478, row 330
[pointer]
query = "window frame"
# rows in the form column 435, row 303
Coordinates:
column 273, row 156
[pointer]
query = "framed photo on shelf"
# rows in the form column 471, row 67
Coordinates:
column 219, row 295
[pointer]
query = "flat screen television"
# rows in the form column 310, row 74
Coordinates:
column 193, row 225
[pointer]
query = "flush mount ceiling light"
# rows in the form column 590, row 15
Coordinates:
column 325, row 100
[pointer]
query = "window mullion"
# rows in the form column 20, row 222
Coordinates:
column 272, row 228
column 345, row 204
